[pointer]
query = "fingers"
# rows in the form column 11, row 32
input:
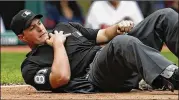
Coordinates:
column 131, row 23
column 56, row 32
column 50, row 39
column 125, row 26
column 61, row 33
column 56, row 38
column 50, row 34
column 68, row 34
column 119, row 32
column 49, row 42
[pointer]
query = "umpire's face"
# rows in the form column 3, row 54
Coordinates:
column 35, row 34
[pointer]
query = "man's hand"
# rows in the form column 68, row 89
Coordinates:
column 125, row 26
column 57, row 38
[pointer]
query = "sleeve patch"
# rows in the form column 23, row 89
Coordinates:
column 39, row 79
column 42, row 71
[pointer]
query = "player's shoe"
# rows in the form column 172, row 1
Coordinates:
column 175, row 79
column 164, row 83
column 173, row 82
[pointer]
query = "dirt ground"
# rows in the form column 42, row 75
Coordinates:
column 27, row 92
column 23, row 48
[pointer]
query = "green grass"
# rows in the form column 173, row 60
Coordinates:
column 171, row 57
column 11, row 71
column 10, row 68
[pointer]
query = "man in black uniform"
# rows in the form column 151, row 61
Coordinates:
column 70, row 59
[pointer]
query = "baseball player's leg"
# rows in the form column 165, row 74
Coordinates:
column 116, row 66
column 108, row 71
column 158, row 28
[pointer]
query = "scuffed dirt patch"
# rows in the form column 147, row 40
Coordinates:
column 27, row 92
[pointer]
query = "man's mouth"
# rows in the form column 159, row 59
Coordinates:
column 42, row 34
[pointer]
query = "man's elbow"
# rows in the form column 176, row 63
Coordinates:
column 58, row 81
column 65, row 79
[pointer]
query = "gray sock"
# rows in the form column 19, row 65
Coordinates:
column 168, row 72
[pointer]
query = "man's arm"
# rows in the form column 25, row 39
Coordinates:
column 60, row 70
column 105, row 35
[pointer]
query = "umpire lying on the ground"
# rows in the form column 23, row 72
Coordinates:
column 70, row 59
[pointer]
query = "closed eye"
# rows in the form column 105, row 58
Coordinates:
column 39, row 22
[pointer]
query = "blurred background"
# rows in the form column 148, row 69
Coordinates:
column 90, row 13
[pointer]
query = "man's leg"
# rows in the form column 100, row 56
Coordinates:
column 121, row 62
column 158, row 28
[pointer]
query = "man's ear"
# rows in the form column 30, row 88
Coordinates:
column 21, row 37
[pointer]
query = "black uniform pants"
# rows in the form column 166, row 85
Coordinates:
column 120, row 65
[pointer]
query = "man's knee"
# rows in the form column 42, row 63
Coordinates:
column 123, row 40
column 124, row 44
column 167, row 11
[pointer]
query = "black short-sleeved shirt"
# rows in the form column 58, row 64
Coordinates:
column 81, row 49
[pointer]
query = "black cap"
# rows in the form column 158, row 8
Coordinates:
column 22, row 20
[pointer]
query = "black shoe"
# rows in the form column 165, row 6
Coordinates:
column 161, row 83
column 164, row 83
column 167, row 85
column 173, row 82
column 175, row 79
